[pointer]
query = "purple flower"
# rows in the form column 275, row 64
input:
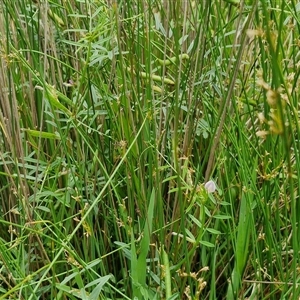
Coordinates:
column 210, row 186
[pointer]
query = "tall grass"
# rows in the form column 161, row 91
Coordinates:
column 113, row 117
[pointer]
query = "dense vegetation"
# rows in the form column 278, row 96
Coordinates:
column 113, row 116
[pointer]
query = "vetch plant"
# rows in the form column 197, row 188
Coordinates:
column 132, row 107
column 210, row 186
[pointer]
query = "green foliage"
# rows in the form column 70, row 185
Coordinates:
column 115, row 115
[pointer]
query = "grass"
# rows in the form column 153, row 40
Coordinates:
column 113, row 117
